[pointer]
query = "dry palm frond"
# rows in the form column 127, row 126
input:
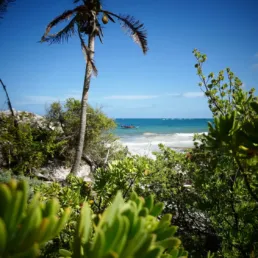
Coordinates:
column 3, row 6
column 135, row 29
column 64, row 16
column 63, row 35
column 87, row 54
column 99, row 29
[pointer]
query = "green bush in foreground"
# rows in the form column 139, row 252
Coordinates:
column 72, row 195
column 126, row 229
column 24, row 228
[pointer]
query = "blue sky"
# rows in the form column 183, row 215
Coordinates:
column 161, row 84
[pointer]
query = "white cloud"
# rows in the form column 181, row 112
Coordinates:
column 256, row 55
column 196, row 94
column 131, row 97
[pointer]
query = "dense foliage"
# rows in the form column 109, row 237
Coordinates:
column 227, row 177
column 211, row 189
column 125, row 229
column 24, row 228
column 99, row 141
column 169, row 179
column 28, row 143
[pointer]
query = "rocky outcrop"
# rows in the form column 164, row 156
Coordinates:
column 59, row 173
column 33, row 119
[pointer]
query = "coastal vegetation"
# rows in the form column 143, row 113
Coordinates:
column 210, row 190
column 202, row 202
column 29, row 143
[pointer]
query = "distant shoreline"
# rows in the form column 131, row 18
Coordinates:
column 145, row 138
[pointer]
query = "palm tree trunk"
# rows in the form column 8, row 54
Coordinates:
column 84, row 103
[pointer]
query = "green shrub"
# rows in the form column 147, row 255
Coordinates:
column 98, row 138
column 25, row 147
column 125, row 229
column 170, row 179
column 28, row 144
column 24, row 228
column 70, row 194
column 124, row 175
column 227, row 161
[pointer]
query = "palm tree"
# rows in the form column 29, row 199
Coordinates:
column 3, row 6
column 84, row 21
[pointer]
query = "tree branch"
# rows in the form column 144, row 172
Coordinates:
column 8, row 98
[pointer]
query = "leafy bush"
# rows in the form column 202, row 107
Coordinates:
column 25, row 228
column 25, row 147
column 126, row 229
column 27, row 144
column 99, row 141
column 72, row 194
column 227, row 177
column 124, row 175
column 169, row 179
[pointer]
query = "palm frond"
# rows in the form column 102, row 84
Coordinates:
column 100, row 38
column 63, row 35
column 87, row 54
column 100, row 32
column 64, row 16
column 3, row 6
column 134, row 28
column 110, row 18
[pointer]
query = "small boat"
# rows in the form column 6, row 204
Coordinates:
column 128, row 126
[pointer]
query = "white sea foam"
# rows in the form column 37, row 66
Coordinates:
column 150, row 134
column 147, row 143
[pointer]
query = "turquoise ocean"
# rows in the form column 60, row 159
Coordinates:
column 174, row 133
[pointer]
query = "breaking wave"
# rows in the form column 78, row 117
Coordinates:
column 148, row 142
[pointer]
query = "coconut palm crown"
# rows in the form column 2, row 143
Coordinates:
column 85, row 21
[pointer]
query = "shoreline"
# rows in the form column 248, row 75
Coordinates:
column 145, row 143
